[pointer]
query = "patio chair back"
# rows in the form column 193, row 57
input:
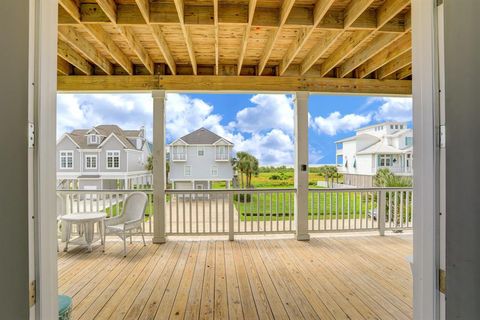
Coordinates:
column 134, row 207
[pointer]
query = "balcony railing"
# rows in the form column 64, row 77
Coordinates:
column 221, row 157
column 259, row 211
column 179, row 156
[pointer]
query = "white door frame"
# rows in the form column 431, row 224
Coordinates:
column 426, row 252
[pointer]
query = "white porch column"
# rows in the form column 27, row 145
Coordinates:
column 301, row 165
column 159, row 178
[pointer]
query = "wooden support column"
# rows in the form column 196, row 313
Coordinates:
column 159, row 177
column 301, row 166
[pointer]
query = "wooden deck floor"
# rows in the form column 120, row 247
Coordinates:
column 354, row 277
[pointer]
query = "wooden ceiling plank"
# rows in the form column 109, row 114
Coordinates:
column 395, row 65
column 162, row 44
column 144, row 7
column 389, row 10
column 234, row 83
column 404, row 72
column 319, row 11
column 75, row 40
column 102, row 37
column 284, row 12
column 374, row 47
column 110, row 9
column 400, row 46
column 67, row 53
column 180, row 6
column 243, row 48
column 63, row 66
column 137, row 48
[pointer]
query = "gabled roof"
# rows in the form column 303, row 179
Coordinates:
column 79, row 136
column 202, row 136
column 380, row 147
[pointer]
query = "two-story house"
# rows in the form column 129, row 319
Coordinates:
column 383, row 145
column 198, row 159
column 103, row 157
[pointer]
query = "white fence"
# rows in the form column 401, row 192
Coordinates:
column 258, row 211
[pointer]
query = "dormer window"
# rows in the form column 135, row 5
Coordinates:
column 93, row 139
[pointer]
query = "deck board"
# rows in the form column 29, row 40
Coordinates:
column 334, row 277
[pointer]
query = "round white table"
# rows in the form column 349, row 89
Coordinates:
column 86, row 221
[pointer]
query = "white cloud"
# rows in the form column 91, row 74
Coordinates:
column 394, row 109
column 336, row 123
column 80, row 111
column 270, row 111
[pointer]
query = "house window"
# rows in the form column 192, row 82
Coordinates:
column 113, row 159
column 90, row 162
column 214, row 171
column 93, row 139
column 339, row 160
column 408, row 141
column 66, row 159
column 201, row 151
column 391, row 126
column 385, row 160
column 187, row 171
column 179, row 153
column 339, row 146
column 221, row 153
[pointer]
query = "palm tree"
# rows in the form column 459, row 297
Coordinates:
column 329, row 173
column 247, row 166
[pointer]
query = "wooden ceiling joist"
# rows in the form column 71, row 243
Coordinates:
column 71, row 8
column 75, row 40
column 179, row 5
column 287, row 6
column 404, row 72
column 395, row 65
column 109, row 7
column 394, row 50
column 106, row 41
column 162, row 44
column 233, row 83
column 246, row 34
column 144, row 7
column 67, row 53
column 319, row 11
column 137, row 48
column 63, row 67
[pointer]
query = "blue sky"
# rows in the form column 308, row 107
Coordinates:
column 260, row 124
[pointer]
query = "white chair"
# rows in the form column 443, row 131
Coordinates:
column 60, row 213
column 130, row 221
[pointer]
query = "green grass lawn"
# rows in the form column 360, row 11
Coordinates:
column 280, row 206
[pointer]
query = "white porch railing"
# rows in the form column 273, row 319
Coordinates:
column 259, row 211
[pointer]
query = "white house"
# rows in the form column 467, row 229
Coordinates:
column 198, row 159
column 103, row 157
column 383, row 145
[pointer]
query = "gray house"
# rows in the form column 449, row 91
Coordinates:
column 198, row 159
column 103, row 157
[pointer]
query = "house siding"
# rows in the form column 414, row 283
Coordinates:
column 201, row 166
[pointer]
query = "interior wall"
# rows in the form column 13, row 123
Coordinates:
column 462, row 107
column 14, row 273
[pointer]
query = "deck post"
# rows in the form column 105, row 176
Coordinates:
column 159, row 176
column 382, row 206
column 301, row 166
column 231, row 226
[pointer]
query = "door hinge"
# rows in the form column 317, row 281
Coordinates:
column 442, row 136
column 442, row 281
column 33, row 292
column 31, row 135
column 439, row 3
